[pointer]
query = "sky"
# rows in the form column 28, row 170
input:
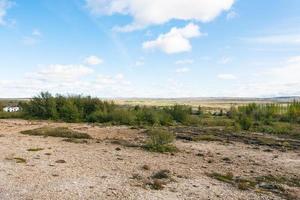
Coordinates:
column 150, row 48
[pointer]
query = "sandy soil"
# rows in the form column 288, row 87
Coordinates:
column 102, row 170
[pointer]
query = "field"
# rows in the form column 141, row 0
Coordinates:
column 76, row 147
column 208, row 103
column 113, row 164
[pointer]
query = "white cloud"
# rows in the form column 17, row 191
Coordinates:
column 4, row 6
column 147, row 12
column 93, row 60
column 36, row 32
column 225, row 60
column 226, row 76
column 139, row 63
column 57, row 73
column 104, row 80
column 175, row 41
column 275, row 81
column 184, row 62
column 294, row 59
column 285, row 39
column 66, row 79
column 231, row 15
column 182, row 70
column 33, row 39
column 29, row 41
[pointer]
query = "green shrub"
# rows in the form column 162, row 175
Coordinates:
column 216, row 121
column 69, row 112
column 165, row 119
column 147, row 116
column 179, row 112
column 245, row 122
column 160, row 141
column 191, row 120
column 11, row 115
column 122, row 116
column 99, row 116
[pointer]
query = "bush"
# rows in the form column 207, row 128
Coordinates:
column 245, row 122
column 192, row 120
column 147, row 116
column 277, row 128
column 216, row 121
column 160, row 141
column 98, row 116
column 122, row 116
column 179, row 112
column 69, row 112
column 11, row 115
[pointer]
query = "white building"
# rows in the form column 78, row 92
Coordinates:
column 11, row 109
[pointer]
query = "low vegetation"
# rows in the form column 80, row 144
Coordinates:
column 160, row 141
column 20, row 160
column 282, row 120
column 269, row 183
column 57, row 132
column 35, row 149
column 264, row 116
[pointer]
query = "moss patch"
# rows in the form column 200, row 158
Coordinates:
column 57, row 132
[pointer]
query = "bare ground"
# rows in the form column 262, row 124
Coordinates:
column 101, row 169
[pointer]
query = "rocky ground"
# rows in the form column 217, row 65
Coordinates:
column 106, row 167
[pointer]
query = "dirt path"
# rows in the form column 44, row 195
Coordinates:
column 102, row 170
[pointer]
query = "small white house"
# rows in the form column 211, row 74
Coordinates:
column 11, row 109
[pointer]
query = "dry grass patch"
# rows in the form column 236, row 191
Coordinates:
column 207, row 137
column 76, row 141
column 269, row 183
column 63, row 132
column 20, row 160
column 35, row 149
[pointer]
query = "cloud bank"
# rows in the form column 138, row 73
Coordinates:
column 149, row 12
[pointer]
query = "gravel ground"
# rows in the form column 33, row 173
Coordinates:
column 102, row 170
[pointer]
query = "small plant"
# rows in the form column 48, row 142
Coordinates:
column 227, row 178
column 160, row 141
column 162, row 174
column 157, row 185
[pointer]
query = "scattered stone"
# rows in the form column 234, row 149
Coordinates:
column 268, row 150
column 118, row 149
column 200, row 154
column 268, row 186
column 146, row 167
column 226, row 159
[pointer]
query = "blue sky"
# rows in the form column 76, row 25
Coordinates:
column 150, row 48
